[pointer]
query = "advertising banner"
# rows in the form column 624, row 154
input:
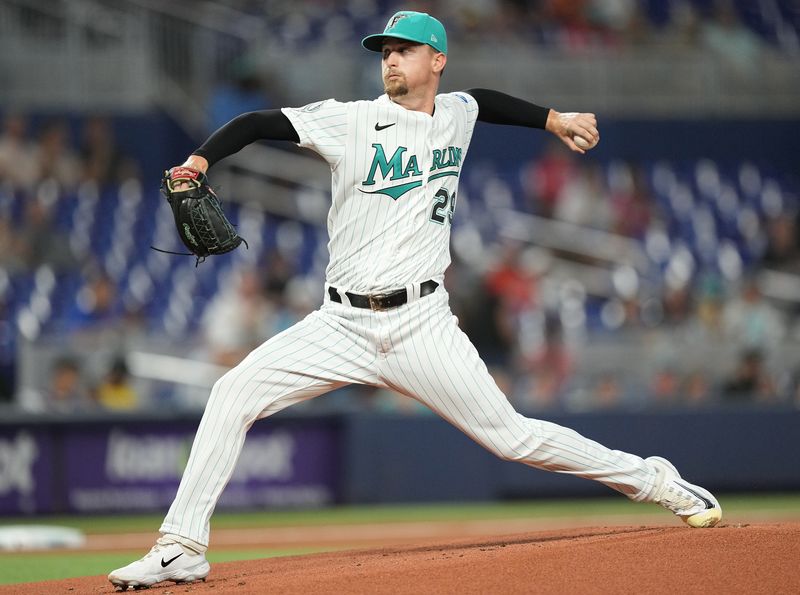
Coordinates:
column 26, row 471
column 139, row 467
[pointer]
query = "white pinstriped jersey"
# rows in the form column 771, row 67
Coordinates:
column 395, row 173
column 394, row 176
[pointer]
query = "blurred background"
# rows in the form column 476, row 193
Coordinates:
column 646, row 293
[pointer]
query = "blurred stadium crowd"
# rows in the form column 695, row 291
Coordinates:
column 689, row 326
column 743, row 34
column 747, row 26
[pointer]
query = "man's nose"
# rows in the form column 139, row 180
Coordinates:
column 391, row 59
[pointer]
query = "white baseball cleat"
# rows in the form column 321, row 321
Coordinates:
column 696, row 506
column 166, row 561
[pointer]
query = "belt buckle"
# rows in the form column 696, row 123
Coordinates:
column 375, row 300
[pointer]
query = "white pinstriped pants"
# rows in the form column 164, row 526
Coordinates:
column 416, row 349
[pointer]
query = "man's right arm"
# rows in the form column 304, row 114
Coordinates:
column 498, row 108
column 240, row 132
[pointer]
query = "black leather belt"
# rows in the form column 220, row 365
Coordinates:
column 381, row 301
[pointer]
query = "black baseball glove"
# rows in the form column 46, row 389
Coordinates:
column 202, row 226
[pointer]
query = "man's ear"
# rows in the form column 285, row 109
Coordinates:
column 439, row 62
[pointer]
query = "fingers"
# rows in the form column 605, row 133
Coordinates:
column 585, row 126
column 580, row 124
column 183, row 177
column 179, row 184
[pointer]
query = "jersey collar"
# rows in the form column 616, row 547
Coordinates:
column 385, row 99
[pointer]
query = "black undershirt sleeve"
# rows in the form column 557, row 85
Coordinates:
column 495, row 107
column 245, row 129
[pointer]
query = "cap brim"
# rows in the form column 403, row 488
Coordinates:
column 374, row 43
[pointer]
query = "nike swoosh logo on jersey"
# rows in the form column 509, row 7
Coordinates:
column 379, row 127
column 170, row 561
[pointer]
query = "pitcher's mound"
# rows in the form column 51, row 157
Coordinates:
column 727, row 559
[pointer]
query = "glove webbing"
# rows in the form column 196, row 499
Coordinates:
column 206, row 232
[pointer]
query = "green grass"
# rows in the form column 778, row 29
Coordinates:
column 28, row 568
column 37, row 566
column 346, row 515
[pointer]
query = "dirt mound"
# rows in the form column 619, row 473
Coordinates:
column 727, row 559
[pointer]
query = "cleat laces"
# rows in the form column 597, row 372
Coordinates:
column 680, row 500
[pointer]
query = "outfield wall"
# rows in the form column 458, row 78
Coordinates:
column 135, row 463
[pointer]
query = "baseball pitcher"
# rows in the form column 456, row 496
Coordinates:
column 385, row 321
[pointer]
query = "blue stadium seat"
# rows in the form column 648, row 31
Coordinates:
column 706, row 207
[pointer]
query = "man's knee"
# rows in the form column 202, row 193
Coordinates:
column 226, row 384
column 516, row 452
column 235, row 386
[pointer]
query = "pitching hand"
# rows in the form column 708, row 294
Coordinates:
column 568, row 125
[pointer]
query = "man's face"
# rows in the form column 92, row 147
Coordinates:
column 407, row 65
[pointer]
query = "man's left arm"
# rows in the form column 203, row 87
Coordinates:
column 495, row 107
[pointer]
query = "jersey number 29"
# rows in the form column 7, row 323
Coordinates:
column 441, row 201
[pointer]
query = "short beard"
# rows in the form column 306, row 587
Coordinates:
column 395, row 88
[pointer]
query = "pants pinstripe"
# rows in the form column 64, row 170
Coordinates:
column 417, row 350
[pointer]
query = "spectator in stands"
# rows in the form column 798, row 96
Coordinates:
column 709, row 299
column 55, row 157
column 240, row 92
column 550, row 368
column 238, row 319
column 683, row 26
column 279, row 271
column 490, row 327
column 286, row 291
column 66, row 391
column 665, row 388
column 750, row 321
column 18, row 165
column 750, row 381
column 677, row 304
column 631, row 201
column 511, row 280
column 696, row 389
column 115, row 391
column 614, row 14
column 39, row 241
column 298, row 300
column 544, row 178
column 782, row 243
column 607, row 392
column 12, row 248
column 462, row 282
column 573, row 28
column 583, row 199
column 492, row 321
column 629, row 21
column 103, row 161
column 96, row 308
column 619, row 22
column 730, row 39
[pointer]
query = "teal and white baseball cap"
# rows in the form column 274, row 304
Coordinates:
column 411, row 26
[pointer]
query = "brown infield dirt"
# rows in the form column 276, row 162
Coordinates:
column 755, row 558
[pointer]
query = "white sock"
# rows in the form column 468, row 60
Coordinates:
column 191, row 547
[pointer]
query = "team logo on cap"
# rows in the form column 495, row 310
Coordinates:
column 394, row 19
